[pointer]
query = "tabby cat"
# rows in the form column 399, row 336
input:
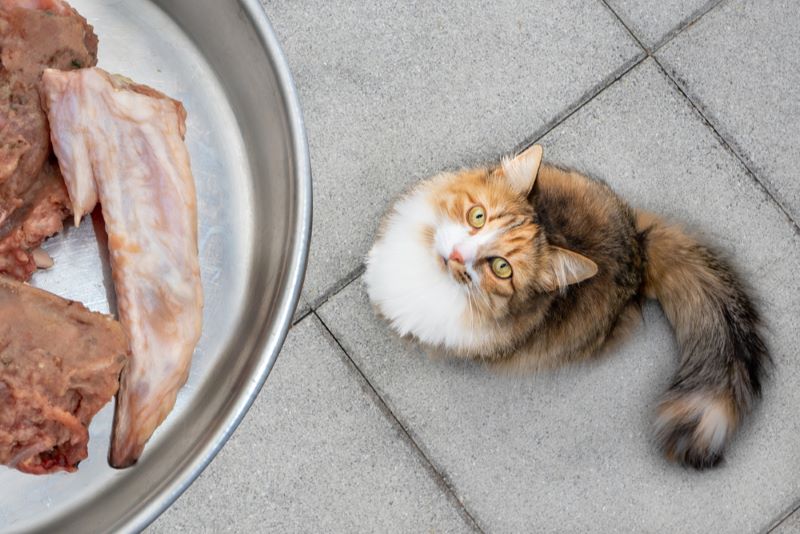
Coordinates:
column 528, row 266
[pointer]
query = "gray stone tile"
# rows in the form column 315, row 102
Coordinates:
column 740, row 64
column 314, row 454
column 394, row 90
column 654, row 23
column 571, row 451
column 790, row 525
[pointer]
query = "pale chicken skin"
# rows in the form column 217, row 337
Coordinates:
column 122, row 144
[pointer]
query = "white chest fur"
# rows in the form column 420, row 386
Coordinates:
column 405, row 280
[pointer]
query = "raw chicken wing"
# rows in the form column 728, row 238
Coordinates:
column 122, row 143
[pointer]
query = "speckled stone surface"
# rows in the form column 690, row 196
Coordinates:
column 655, row 22
column 741, row 65
column 791, row 525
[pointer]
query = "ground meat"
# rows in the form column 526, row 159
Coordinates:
column 34, row 35
column 44, row 207
column 59, row 364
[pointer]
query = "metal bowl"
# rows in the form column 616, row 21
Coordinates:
column 250, row 160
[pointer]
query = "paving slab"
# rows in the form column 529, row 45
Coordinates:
column 654, row 23
column 571, row 450
column 791, row 525
column 740, row 64
column 314, row 454
column 392, row 91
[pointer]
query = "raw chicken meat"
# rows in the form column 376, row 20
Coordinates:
column 34, row 35
column 122, row 143
column 59, row 364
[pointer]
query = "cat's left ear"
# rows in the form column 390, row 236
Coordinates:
column 565, row 267
column 521, row 170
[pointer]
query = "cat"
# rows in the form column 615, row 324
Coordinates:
column 528, row 266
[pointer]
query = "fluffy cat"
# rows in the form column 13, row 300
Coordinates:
column 528, row 266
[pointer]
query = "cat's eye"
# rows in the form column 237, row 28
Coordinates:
column 501, row 268
column 476, row 217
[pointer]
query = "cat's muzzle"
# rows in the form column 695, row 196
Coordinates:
column 459, row 272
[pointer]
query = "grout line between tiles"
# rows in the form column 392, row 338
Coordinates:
column 626, row 26
column 437, row 475
column 300, row 317
column 686, row 24
column 783, row 517
column 728, row 145
column 682, row 26
column 586, row 98
column 332, row 291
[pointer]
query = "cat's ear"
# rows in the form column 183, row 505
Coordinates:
column 521, row 170
column 566, row 268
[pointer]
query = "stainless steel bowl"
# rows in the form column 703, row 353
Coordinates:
column 250, row 159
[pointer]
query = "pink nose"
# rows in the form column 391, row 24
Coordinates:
column 456, row 256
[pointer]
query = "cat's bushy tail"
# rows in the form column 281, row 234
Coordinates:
column 722, row 356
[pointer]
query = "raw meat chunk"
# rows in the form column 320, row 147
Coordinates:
column 44, row 207
column 34, row 35
column 59, row 364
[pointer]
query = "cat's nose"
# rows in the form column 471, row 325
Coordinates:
column 456, row 256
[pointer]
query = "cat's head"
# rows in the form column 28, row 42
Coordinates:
column 463, row 253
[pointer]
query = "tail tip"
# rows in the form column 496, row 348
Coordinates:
column 693, row 429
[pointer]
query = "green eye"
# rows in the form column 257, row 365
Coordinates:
column 477, row 217
column 501, row 268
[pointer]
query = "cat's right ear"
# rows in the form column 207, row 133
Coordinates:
column 521, row 170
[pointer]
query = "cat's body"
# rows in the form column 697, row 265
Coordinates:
column 529, row 267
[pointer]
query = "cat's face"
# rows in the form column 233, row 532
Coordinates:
column 461, row 256
column 485, row 240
